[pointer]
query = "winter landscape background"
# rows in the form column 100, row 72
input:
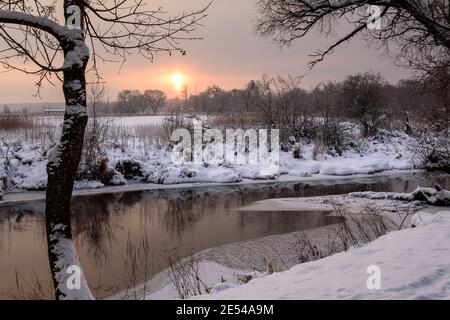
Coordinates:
column 356, row 208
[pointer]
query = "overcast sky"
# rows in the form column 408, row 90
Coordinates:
column 229, row 56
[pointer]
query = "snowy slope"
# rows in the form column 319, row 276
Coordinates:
column 414, row 264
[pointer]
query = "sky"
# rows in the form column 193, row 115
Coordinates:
column 230, row 55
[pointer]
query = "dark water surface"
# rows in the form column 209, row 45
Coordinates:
column 112, row 230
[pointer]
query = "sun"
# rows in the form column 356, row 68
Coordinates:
column 178, row 81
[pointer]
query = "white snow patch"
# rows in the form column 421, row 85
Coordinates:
column 67, row 257
column 88, row 185
column 211, row 274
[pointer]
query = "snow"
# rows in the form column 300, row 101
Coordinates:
column 76, row 58
column 391, row 195
column 66, row 259
column 161, row 288
column 27, row 170
column 60, row 32
column 138, row 121
column 127, row 121
column 421, row 218
column 387, row 151
column 430, row 195
column 88, row 185
column 193, row 174
column 345, row 167
column 414, row 264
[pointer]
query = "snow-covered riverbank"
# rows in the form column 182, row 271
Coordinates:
column 221, row 268
column 413, row 264
column 26, row 196
column 23, row 166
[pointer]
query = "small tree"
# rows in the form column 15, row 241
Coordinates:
column 96, row 129
column 114, row 29
column 6, row 109
column 129, row 101
column 185, row 97
column 156, row 99
column 363, row 100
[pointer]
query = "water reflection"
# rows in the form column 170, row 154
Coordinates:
column 188, row 220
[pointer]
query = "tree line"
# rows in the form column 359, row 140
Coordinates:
column 366, row 97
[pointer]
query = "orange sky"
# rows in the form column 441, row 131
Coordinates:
column 229, row 56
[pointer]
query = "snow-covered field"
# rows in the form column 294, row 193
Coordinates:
column 117, row 121
column 139, row 120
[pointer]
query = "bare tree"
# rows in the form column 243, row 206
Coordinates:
column 113, row 29
column 130, row 101
column 363, row 100
column 156, row 99
column 185, row 97
column 421, row 25
column 6, row 109
column 96, row 130
column 95, row 98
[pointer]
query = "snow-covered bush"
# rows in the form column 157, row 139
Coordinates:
column 130, row 168
column 434, row 196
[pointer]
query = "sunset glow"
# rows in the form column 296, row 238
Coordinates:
column 178, row 81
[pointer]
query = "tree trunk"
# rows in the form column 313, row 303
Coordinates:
column 366, row 129
column 62, row 169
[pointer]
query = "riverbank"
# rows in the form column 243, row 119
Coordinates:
column 136, row 160
column 228, row 263
column 407, row 264
column 28, row 196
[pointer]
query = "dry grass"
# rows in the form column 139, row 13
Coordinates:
column 14, row 122
column 139, row 267
column 237, row 121
column 31, row 289
column 185, row 276
column 354, row 231
column 359, row 229
column 39, row 131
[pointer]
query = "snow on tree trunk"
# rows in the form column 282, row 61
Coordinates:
column 62, row 169
column 69, row 280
